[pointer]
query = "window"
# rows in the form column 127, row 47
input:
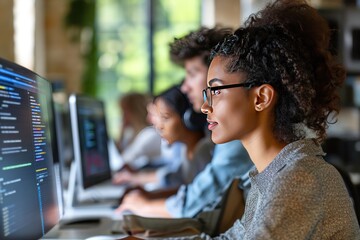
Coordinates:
column 133, row 39
column 24, row 26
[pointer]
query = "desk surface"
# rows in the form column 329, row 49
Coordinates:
column 83, row 230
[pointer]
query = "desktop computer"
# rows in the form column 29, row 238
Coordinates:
column 90, row 193
column 91, row 150
column 31, row 190
column 28, row 196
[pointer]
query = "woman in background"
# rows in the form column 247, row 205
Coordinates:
column 139, row 143
column 171, row 106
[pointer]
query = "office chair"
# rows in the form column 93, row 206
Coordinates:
column 353, row 192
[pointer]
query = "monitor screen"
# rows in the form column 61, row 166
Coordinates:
column 90, row 139
column 28, row 197
column 63, row 130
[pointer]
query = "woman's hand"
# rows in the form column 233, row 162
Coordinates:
column 139, row 203
column 123, row 177
column 134, row 201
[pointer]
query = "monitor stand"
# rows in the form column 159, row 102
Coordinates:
column 78, row 211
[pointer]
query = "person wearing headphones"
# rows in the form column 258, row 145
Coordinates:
column 229, row 161
column 171, row 107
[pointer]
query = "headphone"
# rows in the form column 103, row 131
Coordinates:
column 194, row 121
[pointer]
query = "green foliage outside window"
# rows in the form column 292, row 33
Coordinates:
column 175, row 18
column 80, row 20
column 119, row 59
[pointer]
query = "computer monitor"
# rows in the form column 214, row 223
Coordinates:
column 63, row 128
column 90, row 140
column 28, row 196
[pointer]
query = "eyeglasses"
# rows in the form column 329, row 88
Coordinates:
column 209, row 91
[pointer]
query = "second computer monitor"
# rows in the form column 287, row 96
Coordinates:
column 90, row 139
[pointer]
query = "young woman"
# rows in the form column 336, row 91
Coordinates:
column 139, row 143
column 171, row 106
column 273, row 85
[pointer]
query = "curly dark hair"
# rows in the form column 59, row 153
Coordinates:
column 197, row 43
column 278, row 46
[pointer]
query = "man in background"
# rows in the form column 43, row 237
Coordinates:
column 230, row 159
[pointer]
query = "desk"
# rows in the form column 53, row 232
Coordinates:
column 82, row 230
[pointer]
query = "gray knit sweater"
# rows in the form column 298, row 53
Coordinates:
column 298, row 196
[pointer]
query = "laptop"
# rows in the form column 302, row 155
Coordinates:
column 91, row 153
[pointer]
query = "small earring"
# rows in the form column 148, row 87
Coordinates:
column 258, row 108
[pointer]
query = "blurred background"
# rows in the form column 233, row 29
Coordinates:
column 105, row 48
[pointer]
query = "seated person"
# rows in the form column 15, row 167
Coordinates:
column 139, row 142
column 229, row 160
column 195, row 151
column 274, row 85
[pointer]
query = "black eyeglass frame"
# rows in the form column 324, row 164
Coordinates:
column 209, row 99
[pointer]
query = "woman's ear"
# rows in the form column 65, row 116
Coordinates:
column 264, row 97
